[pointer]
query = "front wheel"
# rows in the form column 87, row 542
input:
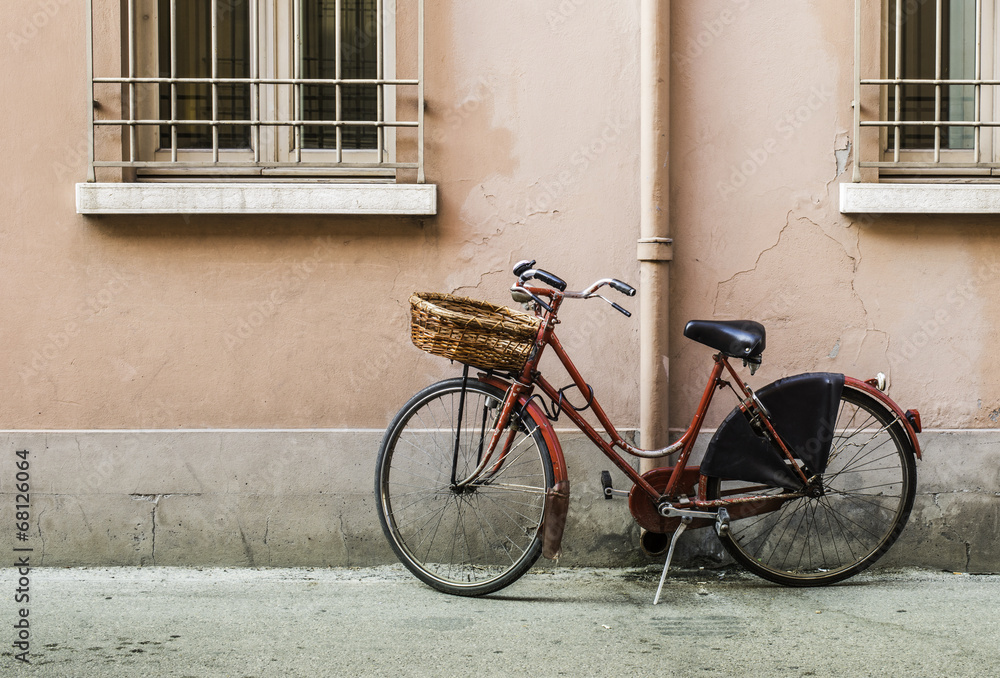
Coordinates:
column 848, row 520
column 465, row 540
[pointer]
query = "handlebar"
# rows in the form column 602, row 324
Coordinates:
column 624, row 288
column 525, row 271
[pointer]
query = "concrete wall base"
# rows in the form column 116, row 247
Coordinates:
column 305, row 498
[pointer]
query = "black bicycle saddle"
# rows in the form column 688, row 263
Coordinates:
column 735, row 338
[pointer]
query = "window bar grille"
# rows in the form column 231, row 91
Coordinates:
column 856, row 178
column 132, row 98
column 297, row 90
column 338, row 48
column 173, row 76
column 255, row 85
column 215, row 84
column 380, row 75
column 940, row 123
column 132, row 81
column 977, row 88
column 938, row 44
column 91, row 170
column 897, row 135
column 420, row 91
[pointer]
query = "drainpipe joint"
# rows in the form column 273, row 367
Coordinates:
column 655, row 249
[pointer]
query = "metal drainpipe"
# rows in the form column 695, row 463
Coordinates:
column 655, row 248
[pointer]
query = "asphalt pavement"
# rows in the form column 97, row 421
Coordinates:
column 553, row 622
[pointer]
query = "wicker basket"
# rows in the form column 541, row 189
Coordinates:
column 473, row 332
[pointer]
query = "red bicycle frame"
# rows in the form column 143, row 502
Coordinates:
column 674, row 494
column 521, row 390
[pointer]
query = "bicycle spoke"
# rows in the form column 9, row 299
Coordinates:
column 474, row 538
column 847, row 519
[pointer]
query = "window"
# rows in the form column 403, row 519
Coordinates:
column 932, row 42
column 184, row 40
column 926, row 114
column 934, row 99
column 226, row 75
column 286, row 91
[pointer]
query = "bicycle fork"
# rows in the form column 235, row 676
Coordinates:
column 502, row 425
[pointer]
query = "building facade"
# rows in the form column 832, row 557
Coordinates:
column 207, row 265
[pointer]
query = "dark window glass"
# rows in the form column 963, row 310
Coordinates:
column 358, row 54
column 192, row 55
column 918, row 39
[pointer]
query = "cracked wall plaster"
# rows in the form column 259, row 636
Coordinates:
column 801, row 289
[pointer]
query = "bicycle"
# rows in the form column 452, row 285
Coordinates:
column 808, row 481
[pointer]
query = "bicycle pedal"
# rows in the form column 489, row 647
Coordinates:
column 610, row 492
column 722, row 522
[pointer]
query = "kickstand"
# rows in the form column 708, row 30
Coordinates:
column 670, row 554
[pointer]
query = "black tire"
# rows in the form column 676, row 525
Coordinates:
column 868, row 490
column 471, row 542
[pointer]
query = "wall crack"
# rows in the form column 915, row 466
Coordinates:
column 343, row 540
column 41, row 537
column 949, row 528
column 154, row 499
column 267, row 530
column 719, row 285
column 247, row 551
column 482, row 276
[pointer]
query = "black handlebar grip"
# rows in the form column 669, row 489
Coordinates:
column 522, row 266
column 624, row 288
column 550, row 280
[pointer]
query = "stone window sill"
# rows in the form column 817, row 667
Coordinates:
column 256, row 198
column 919, row 198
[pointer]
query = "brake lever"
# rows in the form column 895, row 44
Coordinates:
column 522, row 296
column 615, row 306
column 620, row 309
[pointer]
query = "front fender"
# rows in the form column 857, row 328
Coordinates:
column 557, row 496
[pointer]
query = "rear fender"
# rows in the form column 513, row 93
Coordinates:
column 802, row 409
column 871, row 390
column 557, row 496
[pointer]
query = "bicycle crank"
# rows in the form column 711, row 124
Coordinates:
column 668, row 510
column 721, row 517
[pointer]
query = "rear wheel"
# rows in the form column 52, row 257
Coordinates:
column 847, row 521
column 469, row 540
